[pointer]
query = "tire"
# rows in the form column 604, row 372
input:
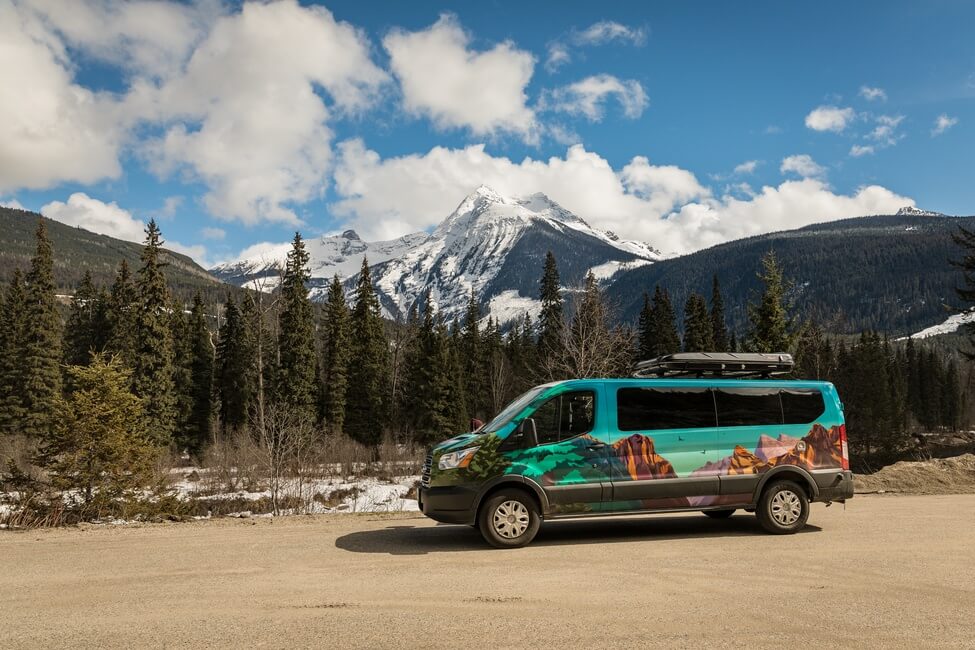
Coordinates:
column 509, row 519
column 783, row 508
column 719, row 514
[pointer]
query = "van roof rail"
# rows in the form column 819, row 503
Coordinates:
column 716, row 364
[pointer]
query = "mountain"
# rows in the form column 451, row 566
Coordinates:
column 640, row 459
column 890, row 273
column 341, row 254
column 490, row 243
column 77, row 250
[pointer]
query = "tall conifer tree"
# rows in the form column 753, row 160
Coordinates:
column 698, row 327
column 153, row 375
column 335, row 357
column 43, row 331
column 365, row 402
column 665, row 337
column 719, row 328
column 13, row 349
column 121, row 314
column 551, row 318
column 296, row 339
column 86, row 325
column 645, row 340
column 199, row 430
column 235, row 374
column 771, row 324
column 472, row 357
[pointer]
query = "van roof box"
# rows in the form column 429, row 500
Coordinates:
column 716, row 364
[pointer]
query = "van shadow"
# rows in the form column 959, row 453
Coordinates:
column 421, row 540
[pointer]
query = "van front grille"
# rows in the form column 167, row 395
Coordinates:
column 427, row 468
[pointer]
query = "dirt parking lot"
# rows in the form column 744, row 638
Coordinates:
column 888, row 571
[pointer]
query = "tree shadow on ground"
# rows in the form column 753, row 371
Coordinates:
column 421, row 540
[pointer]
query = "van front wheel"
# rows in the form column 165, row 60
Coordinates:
column 783, row 508
column 509, row 519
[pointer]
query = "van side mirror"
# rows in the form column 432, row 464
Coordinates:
column 528, row 433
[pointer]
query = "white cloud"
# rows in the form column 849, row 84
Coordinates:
column 873, row 94
column 600, row 33
column 213, row 233
column 942, row 123
column 52, row 129
column 663, row 205
column 747, row 167
column 246, row 116
column 588, row 96
column 885, row 133
column 858, row 150
column 802, row 165
column 829, row 118
column 457, row 87
column 145, row 37
column 11, row 203
column 170, row 205
column 83, row 211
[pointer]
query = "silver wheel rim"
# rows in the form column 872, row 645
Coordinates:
column 786, row 507
column 511, row 519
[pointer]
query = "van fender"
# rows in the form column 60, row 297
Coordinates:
column 794, row 469
column 512, row 479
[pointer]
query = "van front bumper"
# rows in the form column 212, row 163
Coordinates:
column 449, row 504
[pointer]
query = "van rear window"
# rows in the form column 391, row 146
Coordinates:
column 649, row 409
column 745, row 407
column 802, row 406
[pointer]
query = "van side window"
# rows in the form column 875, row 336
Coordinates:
column 649, row 409
column 565, row 416
column 744, row 407
column 801, row 406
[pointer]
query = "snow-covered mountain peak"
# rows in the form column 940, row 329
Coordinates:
column 911, row 211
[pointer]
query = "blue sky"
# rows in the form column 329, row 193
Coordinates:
column 681, row 124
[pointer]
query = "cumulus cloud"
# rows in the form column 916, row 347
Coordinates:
column 885, row 133
column 443, row 79
column 600, row 33
column 245, row 115
column 858, row 150
column 588, row 97
column 747, row 167
column 11, row 203
column 829, row 118
column 802, row 165
column 942, row 123
column 52, row 129
column 664, row 205
column 93, row 215
column 873, row 94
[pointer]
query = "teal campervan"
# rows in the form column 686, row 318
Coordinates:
column 689, row 432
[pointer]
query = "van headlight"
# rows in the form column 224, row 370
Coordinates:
column 457, row 459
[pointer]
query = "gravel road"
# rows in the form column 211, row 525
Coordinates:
column 888, row 571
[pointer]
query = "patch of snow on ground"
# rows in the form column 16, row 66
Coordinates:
column 267, row 285
column 609, row 269
column 951, row 325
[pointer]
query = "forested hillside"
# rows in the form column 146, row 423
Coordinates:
column 77, row 250
column 886, row 273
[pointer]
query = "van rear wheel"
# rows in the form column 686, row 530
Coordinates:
column 783, row 508
column 509, row 519
column 720, row 514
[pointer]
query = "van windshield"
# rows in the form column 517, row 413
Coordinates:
column 511, row 410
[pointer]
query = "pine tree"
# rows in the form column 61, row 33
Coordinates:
column 43, row 331
column 153, row 373
column 472, row 358
column 121, row 315
column 13, row 349
column 199, row 430
column 296, row 340
column 335, row 357
column 645, row 340
column 235, row 368
column 85, row 329
column 551, row 318
column 771, row 325
column 719, row 328
column 664, row 336
column 182, row 371
column 99, row 448
column 698, row 327
column 365, row 402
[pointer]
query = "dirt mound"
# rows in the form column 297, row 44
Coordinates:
column 936, row 476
